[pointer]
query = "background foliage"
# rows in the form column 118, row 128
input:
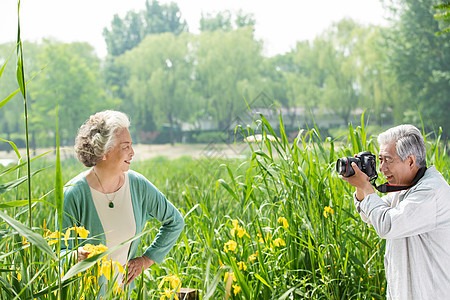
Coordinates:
column 165, row 77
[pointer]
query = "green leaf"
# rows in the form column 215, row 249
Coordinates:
column 228, row 188
column 6, row 100
column 3, row 67
column 59, row 196
column 12, row 184
column 9, row 170
column 30, row 235
column 52, row 288
column 263, row 280
column 17, row 203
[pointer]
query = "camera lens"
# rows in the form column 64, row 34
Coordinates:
column 343, row 166
column 340, row 167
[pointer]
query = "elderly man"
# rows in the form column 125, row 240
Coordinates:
column 414, row 221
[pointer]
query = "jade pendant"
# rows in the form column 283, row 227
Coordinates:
column 111, row 205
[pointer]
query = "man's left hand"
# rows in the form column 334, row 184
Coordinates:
column 361, row 181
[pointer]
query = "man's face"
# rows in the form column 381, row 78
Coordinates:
column 391, row 165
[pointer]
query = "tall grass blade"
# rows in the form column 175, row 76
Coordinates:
column 5, row 187
column 30, row 235
column 12, row 145
column 17, row 203
column 59, row 196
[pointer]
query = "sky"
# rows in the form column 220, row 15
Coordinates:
column 279, row 24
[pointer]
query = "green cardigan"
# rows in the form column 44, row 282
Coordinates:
column 148, row 203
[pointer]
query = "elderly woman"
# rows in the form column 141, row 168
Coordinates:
column 113, row 202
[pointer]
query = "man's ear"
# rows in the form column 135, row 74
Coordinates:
column 411, row 161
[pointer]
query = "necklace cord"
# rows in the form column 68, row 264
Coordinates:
column 110, row 201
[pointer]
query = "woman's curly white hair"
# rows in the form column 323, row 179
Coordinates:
column 97, row 136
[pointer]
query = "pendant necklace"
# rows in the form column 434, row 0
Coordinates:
column 110, row 201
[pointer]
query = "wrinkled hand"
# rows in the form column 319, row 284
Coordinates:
column 136, row 266
column 361, row 181
column 82, row 254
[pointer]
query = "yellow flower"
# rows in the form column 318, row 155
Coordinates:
column 91, row 280
column 83, row 233
column 24, row 241
column 237, row 228
column 52, row 237
column 105, row 269
column 174, row 282
column 283, row 221
column 236, row 289
column 168, row 294
column 279, row 242
column 94, row 249
column 327, row 210
column 230, row 246
column 67, row 235
column 117, row 289
column 242, row 265
column 229, row 274
column 235, row 223
column 119, row 267
column 253, row 256
column 261, row 240
column 19, row 276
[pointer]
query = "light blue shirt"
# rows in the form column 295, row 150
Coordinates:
column 416, row 226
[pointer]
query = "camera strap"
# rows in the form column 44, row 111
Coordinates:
column 387, row 188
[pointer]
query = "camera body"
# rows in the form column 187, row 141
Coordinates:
column 366, row 162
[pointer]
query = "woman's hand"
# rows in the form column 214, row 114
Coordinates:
column 136, row 266
column 82, row 254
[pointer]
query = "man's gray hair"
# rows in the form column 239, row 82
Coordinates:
column 97, row 136
column 408, row 141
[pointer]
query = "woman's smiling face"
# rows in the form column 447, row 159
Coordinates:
column 397, row 172
column 122, row 154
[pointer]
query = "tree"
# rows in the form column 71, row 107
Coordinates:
column 124, row 34
column 160, row 71
column 163, row 18
column 223, row 21
column 341, row 89
column 444, row 16
column 70, row 80
column 226, row 63
column 11, row 115
column 304, row 79
column 127, row 33
column 379, row 91
column 421, row 62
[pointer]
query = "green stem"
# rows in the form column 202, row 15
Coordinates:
column 22, row 85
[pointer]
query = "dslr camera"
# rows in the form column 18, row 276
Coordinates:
column 365, row 161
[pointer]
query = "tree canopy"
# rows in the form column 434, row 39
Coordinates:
column 166, row 78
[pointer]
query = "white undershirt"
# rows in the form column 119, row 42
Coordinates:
column 118, row 222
